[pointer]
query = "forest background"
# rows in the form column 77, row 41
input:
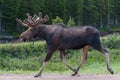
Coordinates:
column 102, row 14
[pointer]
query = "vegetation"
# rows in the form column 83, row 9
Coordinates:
column 71, row 22
column 57, row 20
column 98, row 13
column 26, row 57
column 102, row 14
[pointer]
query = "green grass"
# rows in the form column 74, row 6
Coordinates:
column 23, row 58
column 95, row 64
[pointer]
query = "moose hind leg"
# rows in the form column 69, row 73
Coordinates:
column 63, row 57
column 83, row 59
column 97, row 45
column 106, row 54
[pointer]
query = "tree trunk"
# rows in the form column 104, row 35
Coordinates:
column 116, row 12
column 108, row 14
column 0, row 25
column 101, row 14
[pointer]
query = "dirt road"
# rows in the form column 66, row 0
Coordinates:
column 59, row 77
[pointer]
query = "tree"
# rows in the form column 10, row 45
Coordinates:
column 9, row 13
column 101, row 13
column 56, row 8
column 79, row 15
column 71, row 7
column 0, row 17
column 108, row 14
column 115, row 11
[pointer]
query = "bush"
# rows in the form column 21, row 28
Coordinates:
column 23, row 56
column 22, row 50
column 111, row 41
column 71, row 22
column 57, row 20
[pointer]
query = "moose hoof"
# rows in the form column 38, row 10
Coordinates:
column 75, row 73
column 37, row 75
column 111, row 71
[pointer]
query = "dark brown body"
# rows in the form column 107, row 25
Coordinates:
column 59, row 37
column 70, row 38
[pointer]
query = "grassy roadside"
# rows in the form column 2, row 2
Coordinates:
column 95, row 64
column 23, row 58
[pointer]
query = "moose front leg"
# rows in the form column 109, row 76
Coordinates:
column 48, row 57
column 41, row 70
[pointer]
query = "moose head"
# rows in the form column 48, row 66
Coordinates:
column 32, row 23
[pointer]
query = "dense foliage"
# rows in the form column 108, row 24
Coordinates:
column 25, row 56
column 98, row 13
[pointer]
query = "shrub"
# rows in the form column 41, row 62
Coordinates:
column 23, row 56
column 111, row 41
column 57, row 20
column 22, row 50
column 71, row 22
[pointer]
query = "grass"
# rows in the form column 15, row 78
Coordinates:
column 95, row 64
column 23, row 58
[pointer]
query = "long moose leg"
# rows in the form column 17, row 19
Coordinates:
column 83, row 58
column 106, row 54
column 48, row 56
column 95, row 43
column 62, row 53
column 41, row 70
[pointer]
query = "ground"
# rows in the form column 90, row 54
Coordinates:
column 60, row 77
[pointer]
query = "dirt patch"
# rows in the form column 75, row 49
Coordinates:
column 59, row 77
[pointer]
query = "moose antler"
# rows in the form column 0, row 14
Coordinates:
column 33, row 21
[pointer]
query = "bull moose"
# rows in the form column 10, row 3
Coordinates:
column 60, row 37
